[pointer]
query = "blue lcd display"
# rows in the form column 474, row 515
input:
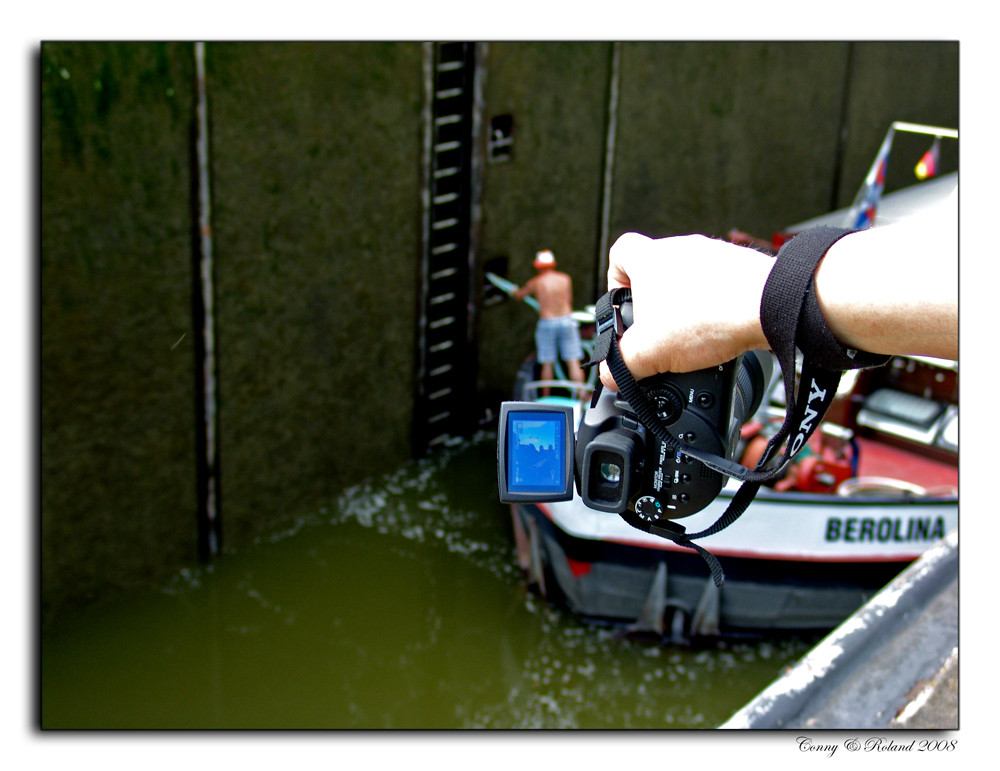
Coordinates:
column 536, row 452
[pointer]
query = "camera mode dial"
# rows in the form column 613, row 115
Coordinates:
column 648, row 508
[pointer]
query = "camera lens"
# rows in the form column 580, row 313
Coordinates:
column 751, row 383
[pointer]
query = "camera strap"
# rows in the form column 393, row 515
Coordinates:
column 791, row 319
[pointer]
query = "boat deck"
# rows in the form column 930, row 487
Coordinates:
column 877, row 459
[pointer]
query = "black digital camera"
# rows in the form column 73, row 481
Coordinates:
column 614, row 462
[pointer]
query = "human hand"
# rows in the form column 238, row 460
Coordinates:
column 695, row 302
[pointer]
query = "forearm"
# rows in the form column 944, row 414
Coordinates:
column 894, row 290
column 696, row 300
column 527, row 289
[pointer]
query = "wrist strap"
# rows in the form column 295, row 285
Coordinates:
column 789, row 309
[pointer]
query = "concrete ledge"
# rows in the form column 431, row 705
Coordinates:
column 893, row 664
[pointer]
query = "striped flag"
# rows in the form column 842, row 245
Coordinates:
column 927, row 165
column 862, row 212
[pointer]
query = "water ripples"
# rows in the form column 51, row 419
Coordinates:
column 397, row 604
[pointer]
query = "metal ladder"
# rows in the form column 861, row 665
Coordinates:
column 446, row 374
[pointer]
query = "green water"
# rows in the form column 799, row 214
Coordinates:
column 399, row 605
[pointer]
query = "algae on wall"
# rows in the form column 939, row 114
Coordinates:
column 721, row 135
column 117, row 387
column 315, row 162
column 761, row 135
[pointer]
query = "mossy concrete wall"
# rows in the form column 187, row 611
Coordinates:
column 316, row 170
column 714, row 137
column 316, row 166
column 117, row 385
column 315, row 162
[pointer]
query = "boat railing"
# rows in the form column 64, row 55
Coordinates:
column 535, row 390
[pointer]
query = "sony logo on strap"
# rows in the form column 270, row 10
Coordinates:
column 806, row 426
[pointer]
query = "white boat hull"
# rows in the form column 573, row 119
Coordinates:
column 793, row 561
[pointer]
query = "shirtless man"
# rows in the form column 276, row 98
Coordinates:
column 557, row 332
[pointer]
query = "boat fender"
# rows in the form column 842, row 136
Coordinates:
column 817, row 474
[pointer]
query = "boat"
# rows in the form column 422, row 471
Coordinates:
column 876, row 487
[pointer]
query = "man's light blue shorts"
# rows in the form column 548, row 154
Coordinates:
column 562, row 333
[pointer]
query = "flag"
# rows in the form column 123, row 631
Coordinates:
column 927, row 165
column 862, row 212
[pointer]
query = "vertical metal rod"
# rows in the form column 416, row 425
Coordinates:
column 609, row 167
column 427, row 112
column 475, row 189
column 209, row 531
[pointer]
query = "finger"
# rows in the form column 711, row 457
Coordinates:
column 606, row 379
column 638, row 353
column 636, row 357
column 620, row 255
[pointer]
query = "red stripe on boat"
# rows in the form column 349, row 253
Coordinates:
column 579, row 568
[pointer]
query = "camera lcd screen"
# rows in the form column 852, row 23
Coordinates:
column 536, row 452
